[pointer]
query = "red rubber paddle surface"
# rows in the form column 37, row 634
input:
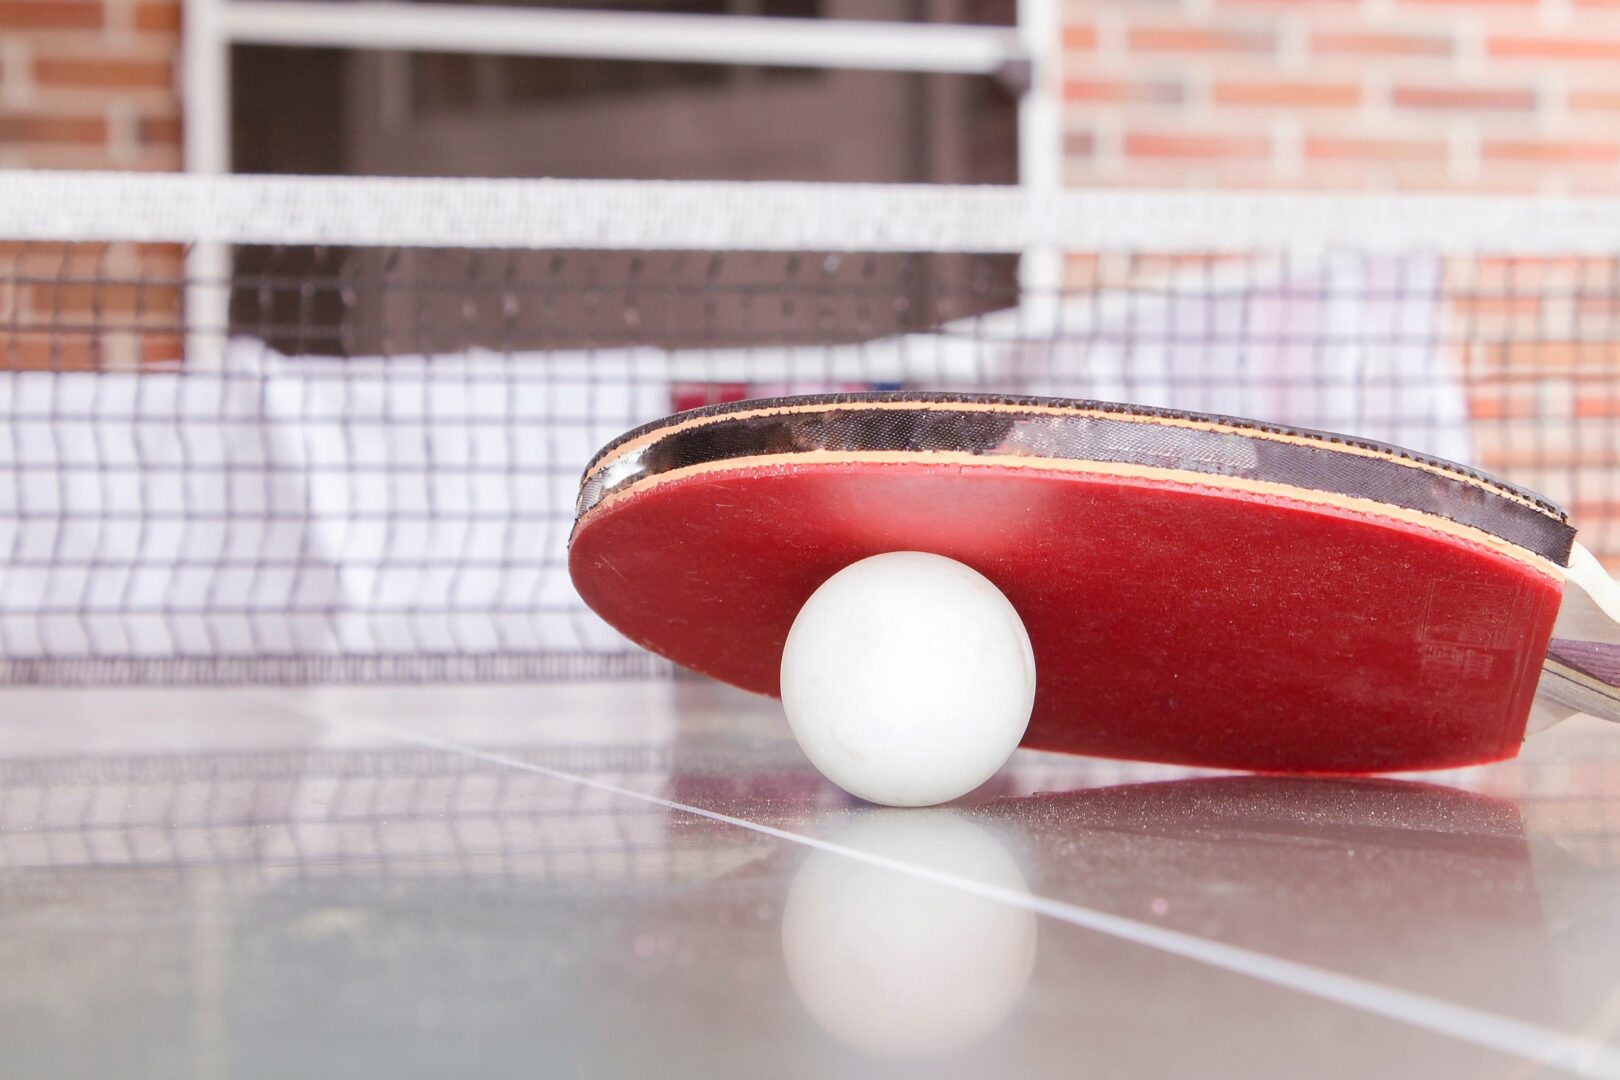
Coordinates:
column 1170, row 622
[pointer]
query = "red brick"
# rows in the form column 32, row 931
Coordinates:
column 1550, row 151
column 1525, row 273
column 90, row 301
column 51, row 249
column 160, row 130
column 49, row 351
column 1300, row 94
column 1597, row 408
column 33, row 127
column 162, row 349
column 1079, row 36
column 1456, row 97
column 1587, row 511
column 1369, row 44
column 56, row 155
column 1119, row 91
column 1549, row 357
column 103, row 73
column 1165, row 145
column 1536, row 264
column 158, row 18
column 49, row 15
column 1474, row 305
column 1595, row 100
column 1198, row 39
column 172, row 254
column 1495, row 405
column 1598, row 308
column 1473, row 3
column 1324, row 148
column 1590, row 182
column 1504, row 47
column 1079, row 144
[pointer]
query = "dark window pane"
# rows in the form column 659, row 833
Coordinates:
column 970, row 12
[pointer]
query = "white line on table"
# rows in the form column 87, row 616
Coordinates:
column 1572, row 1053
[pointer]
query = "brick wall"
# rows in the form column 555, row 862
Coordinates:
column 1494, row 94
column 1542, row 367
column 1499, row 95
column 1422, row 95
column 89, row 84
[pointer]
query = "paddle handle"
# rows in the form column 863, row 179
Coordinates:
column 1582, row 670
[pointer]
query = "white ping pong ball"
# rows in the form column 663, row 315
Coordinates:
column 908, row 679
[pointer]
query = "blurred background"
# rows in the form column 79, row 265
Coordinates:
column 1507, row 362
column 1498, row 95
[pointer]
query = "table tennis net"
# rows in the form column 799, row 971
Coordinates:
column 337, row 456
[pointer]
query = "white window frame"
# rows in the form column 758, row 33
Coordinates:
column 211, row 27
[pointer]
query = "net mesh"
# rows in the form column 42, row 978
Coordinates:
column 342, row 457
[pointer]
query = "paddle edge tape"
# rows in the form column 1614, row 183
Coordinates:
column 1077, row 436
column 1124, row 473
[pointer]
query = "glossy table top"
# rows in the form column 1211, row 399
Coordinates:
column 615, row 880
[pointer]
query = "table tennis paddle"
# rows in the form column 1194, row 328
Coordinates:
column 1197, row 589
